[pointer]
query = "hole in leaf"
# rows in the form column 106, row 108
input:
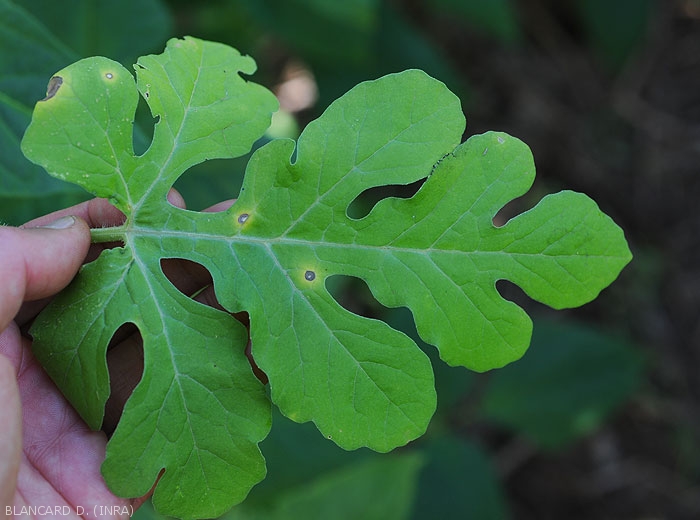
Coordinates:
column 144, row 126
column 208, row 183
column 513, row 293
column 244, row 319
column 365, row 201
column 125, row 364
column 194, row 281
column 523, row 203
column 191, row 279
column 215, row 180
column 354, row 295
column 262, row 376
column 506, row 213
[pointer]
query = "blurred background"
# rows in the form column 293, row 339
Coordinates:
column 600, row 419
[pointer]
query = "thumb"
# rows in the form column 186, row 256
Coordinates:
column 39, row 262
column 11, row 438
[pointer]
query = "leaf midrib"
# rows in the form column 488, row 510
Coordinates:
column 136, row 231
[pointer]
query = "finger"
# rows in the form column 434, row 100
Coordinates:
column 176, row 199
column 220, row 206
column 11, row 438
column 98, row 212
column 39, row 262
column 95, row 212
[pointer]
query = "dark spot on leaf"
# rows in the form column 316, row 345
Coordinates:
column 53, row 86
column 310, row 276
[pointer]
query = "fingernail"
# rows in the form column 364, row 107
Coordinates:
column 61, row 223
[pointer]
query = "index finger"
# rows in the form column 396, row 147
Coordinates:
column 97, row 212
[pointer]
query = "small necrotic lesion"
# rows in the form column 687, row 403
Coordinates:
column 53, row 86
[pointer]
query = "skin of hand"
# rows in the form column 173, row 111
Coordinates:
column 48, row 455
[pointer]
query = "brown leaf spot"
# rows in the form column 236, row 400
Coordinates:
column 53, row 86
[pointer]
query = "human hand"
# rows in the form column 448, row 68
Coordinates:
column 50, row 458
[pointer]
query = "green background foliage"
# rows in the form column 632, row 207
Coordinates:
column 393, row 38
column 36, row 40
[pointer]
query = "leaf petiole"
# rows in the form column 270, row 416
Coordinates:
column 108, row 234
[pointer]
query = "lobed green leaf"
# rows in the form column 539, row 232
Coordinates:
column 37, row 38
column 198, row 412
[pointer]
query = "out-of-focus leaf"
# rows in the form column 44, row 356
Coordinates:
column 119, row 30
column 37, row 38
column 25, row 189
column 401, row 45
column 565, row 386
column 347, row 42
column 458, row 482
column 380, row 487
column 495, row 18
column 146, row 512
column 295, row 454
column 445, row 478
column 321, row 31
column 615, row 30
